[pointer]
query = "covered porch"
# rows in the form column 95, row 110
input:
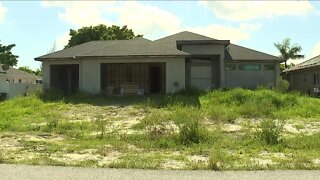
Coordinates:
column 133, row 78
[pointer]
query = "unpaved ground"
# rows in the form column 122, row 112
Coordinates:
column 56, row 149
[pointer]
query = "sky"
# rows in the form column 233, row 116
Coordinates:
column 36, row 26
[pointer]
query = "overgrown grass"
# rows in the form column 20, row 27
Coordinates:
column 188, row 122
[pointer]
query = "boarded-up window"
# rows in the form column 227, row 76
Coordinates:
column 230, row 67
column 268, row 67
column 250, row 67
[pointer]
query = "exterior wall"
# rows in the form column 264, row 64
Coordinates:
column 210, row 50
column 252, row 78
column 90, row 72
column 175, row 75
column 15, row 78
column 18, row 89
column 302, row 80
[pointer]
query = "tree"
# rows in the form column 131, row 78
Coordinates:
column 38, row 72
column 100, row 32
column 288, row 51
column 282, row 66
column 6, row 56
column 26, row 69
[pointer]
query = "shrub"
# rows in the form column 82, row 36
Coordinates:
column 217, row 160
column 283, row 85
column 191, row 132
column 270, row 132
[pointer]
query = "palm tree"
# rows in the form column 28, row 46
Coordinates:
column 288, row 51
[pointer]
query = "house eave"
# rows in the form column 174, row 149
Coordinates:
column 112, row 57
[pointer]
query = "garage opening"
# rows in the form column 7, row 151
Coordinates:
column 65, row 78
column 132, row 78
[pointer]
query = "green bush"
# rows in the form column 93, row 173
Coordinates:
column 217, row 160
column 192, row 133
column 270, row 132
column 283, row 85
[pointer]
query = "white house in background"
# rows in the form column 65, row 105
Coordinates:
column 13, row 75
column 14, row 82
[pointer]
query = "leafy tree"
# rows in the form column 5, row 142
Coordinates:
column 38, row 72
column 26, row 69
column 282, row 66
column 6, row 56
column 100, row 32
column 288, row 51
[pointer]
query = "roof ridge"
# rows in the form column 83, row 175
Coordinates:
column 255, row 50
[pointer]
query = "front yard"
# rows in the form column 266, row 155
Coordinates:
column 220, row 130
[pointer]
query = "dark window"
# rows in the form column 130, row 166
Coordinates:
column 129, row 73
column 304, row 77
column 316, row 79
column 250, row 67
column 268, row 67
column 19, row 80
column 230, row 67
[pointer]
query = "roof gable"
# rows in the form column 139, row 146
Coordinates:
column 232, row 52
column 171, row 40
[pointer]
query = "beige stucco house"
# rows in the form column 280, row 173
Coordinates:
column 305, row 77
column 165, row 65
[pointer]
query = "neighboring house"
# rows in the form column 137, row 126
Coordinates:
column 305, row 77
column 13, row 75
column 162, row 66
column 14, row 82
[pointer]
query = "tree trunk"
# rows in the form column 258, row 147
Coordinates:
column 285, row 64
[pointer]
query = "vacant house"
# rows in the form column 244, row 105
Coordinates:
column 305, row 77
column 165, row 65
column 13, row 75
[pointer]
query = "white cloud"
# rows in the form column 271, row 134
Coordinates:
column 248, row 10
column 62, row 41
column 81, row 13
column 151, row 21
column 221, row 32
column 3, row 11
column 316, row 50
column 145, row 19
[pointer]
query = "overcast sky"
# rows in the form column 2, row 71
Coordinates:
column 36, row 25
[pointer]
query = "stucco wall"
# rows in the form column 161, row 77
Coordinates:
column 302, row 80
column 252, row 78
column 90, row 77
column 18, row 89
column 15, row 78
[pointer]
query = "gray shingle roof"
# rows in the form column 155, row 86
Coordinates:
column 171, row 40
column 13, row 71
column 315, row 61
column 233, row 52
column 115, row 48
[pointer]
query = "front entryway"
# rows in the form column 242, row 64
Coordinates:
column 65, row 78
column 132, row 78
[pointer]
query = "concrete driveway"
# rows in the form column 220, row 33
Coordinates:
column 27, row 172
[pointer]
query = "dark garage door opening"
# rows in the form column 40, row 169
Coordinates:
column 65, row 78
